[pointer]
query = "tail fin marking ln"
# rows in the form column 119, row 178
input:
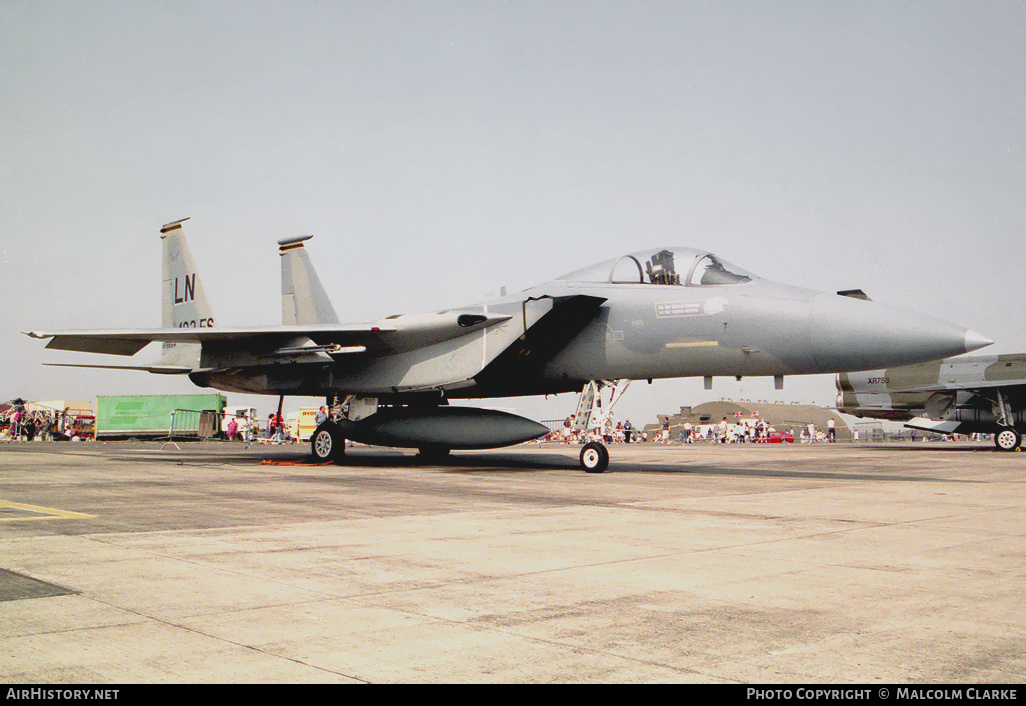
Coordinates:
column 183, row 300
column 184, row 303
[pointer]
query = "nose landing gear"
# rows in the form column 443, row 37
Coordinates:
column 591, row 415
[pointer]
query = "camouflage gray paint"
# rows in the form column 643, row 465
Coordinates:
column 968, row 394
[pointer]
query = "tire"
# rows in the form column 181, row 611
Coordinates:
column 594, row 457
column 1007, row 439
column 434, row 454
column 327, row 443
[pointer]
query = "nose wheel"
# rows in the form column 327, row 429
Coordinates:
column 594, row 457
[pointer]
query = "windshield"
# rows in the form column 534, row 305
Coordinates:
column 667, row 266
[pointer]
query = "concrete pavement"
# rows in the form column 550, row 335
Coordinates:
column 122, row 563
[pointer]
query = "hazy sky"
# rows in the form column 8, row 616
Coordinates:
column 441, row 150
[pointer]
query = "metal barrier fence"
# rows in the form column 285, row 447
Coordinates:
column 553, row 424
column 207, row 424
column 203, row 423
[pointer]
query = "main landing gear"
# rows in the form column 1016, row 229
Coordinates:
column 1007, row 439
column 327, row 443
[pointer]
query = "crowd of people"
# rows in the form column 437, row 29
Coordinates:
column 620, row 433
column 19, row 423
column 741, row 431
column 239, row 427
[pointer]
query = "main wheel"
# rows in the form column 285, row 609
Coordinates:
column 327, row 443
column 594, row 457
column 1007, row 439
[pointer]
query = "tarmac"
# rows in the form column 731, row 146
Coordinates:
column 125, row 563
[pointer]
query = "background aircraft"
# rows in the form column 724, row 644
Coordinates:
column 966, row 395
column 662, row 313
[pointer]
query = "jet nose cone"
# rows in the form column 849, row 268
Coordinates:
column 854, row 334
column 975, row 341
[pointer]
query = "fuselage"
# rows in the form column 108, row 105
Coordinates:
column 656, row 314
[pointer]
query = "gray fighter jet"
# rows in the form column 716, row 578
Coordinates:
column 662, row 313
column 968, row 395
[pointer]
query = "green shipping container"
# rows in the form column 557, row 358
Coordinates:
column 150, row 415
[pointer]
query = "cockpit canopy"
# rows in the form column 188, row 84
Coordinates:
column 671, row 266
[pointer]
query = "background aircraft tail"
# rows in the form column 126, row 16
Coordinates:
column 183, row 300
column 303, row 299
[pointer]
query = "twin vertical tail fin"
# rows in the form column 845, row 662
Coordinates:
column 303, row 299
column 183, row 300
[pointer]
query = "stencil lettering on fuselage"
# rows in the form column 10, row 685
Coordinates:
column 671, row 310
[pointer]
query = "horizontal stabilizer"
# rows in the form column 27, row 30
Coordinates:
column 158, row 369
column 88, row 343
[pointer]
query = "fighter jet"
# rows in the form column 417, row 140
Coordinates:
column 967, row 395
column 661, row 313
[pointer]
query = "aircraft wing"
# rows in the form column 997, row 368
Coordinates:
column 397, row 334
column 131, row 341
